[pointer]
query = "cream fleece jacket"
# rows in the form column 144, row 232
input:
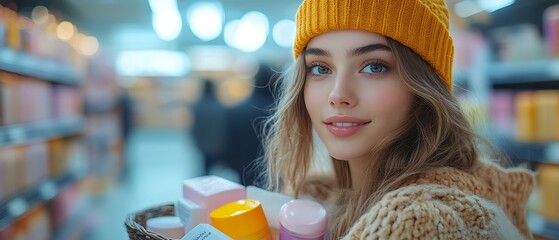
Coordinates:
column 451, row 204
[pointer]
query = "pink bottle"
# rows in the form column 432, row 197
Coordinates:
column 302, row 219
column 551, row 28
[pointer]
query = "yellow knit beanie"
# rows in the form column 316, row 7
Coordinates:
column 421, row 25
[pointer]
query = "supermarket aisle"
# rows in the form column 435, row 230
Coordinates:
column 159, row 161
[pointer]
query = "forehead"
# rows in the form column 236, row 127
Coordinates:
column 345, row 39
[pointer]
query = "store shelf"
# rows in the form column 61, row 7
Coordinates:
column 25, row 64
column 78, row 222
column 100, row 106
column 22, row 133
column 531, row 152
column 542, row 227
column 537, row 74
column 14, row 207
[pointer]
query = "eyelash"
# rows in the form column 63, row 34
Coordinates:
column 370, row 63
column 377, row 63
column 314, row 64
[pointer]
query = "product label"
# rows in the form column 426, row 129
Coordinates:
column 205, row 232
column 189, row 213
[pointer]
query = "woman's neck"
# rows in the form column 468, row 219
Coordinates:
column 357, row 170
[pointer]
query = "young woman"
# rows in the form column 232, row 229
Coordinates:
column 372, row 83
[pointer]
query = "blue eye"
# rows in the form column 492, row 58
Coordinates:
column 318, row 70
column 375, row 68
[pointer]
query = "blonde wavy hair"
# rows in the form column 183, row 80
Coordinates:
column 436, row 134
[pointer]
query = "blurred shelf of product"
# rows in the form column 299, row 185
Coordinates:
column 29, row 65
column 535, row 74
column 40, row 194
column 23, row 133
column 527, row 122
column 103, row 134
column 160, row 102
column 512, row 63
column 531, row 152
column 59, row 112
column 507, row 78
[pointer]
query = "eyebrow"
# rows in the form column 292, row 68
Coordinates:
column 354, row 52
column 369, row 48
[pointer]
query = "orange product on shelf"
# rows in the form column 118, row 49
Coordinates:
column 38, row 224
column 35, row 224
column 13, row 30
column 3, row 27
column 549, row 192
column 17, row 231
column 57, row 154
column 525, row 116
column 547, row 115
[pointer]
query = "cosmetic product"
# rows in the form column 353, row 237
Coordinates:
column 168, row 226
column 551, row 29
column 211, row 192
column 547, row 115
column 190, row 213
column 302, row 219
column 242, row 219
column 525, row 108
column 271, row 203
column 548, row 182
column 205, row 232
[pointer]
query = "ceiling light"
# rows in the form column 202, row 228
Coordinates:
column 248, row 34
column 284, row 33
column 161, row 6
column 168, row 25
column 494, row 5
column 152, row 63
column 205, row 20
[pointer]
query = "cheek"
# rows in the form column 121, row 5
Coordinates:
column 312, row 101
column 392, row 103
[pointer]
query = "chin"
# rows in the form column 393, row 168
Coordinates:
column 343, row 155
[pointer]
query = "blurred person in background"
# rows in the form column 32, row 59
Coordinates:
column 244, row 126
column 126, row 125
column 374, row 83
column 208, row 129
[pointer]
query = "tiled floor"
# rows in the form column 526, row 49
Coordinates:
column 158, row 162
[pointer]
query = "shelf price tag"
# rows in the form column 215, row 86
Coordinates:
column 17, row 206
column 48, row 190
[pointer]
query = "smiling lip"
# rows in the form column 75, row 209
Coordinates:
column 344, row 126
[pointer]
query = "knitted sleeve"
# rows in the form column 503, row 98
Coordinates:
column 426, row 211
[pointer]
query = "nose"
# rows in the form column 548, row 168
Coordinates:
column 342, row 94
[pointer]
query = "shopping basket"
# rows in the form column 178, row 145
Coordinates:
column 136, row 222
